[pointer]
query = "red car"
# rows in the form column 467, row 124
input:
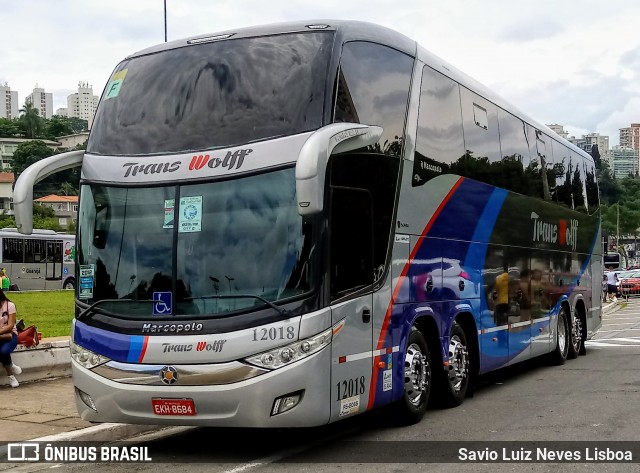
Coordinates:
column 630, row 285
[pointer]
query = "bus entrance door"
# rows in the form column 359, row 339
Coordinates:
column 53, row 266
column 351, row 279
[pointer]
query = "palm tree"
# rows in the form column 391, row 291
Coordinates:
column 66, row 188
column 30, row 120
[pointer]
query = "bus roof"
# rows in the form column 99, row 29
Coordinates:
column 35, row 232
column 364, row 31
column 349, row 30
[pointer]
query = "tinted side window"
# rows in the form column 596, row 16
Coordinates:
column 373, row 89
column 579, row 183
column 13, row 250
column 515, row 152
column 563, row 173
column 481, row 139
column 593, row 200
column 34, row 251
column 440, row 140
column 544, row 165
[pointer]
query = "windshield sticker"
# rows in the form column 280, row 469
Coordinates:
column 169, row 205
column 86, row 282
column 69, row 254
column 113, row 88
column 190, row 214
column 162, row 303
column 387, row 380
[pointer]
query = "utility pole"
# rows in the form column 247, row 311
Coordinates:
column 165, row 21
column 618, row 226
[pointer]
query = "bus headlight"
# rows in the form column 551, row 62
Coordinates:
column 287, row 354
column 86, row 358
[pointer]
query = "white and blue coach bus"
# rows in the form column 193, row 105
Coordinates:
column 291, row 224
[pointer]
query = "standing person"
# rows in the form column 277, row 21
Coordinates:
column 8, row 338
column 6, row 282
column 612, row 285
column 501, row 294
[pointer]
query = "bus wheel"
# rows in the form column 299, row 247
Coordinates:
column 575, row 347
column 456, row 373
column 559, row 355
column 69, row 284
column 417, row 380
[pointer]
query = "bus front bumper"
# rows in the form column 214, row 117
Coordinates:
column 246, row 403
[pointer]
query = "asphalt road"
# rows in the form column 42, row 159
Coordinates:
column 594, row 398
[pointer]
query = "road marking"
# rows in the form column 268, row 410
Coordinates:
column 592, row 343
column 623, row 323
column 619, row 330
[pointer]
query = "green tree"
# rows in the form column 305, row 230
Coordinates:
column 43, row 218
column 57, row 126
column 78, row 124
column 8, row 128
column 67, row 188
column 595, row 154
column 28, row 153
column 30, row 121
column 610, row 190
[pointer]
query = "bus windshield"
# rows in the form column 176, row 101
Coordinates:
column 213, row 95
column 219, row 242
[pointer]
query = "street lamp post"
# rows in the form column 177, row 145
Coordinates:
column 165, row 21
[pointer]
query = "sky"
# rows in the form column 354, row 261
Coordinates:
column 569, row 62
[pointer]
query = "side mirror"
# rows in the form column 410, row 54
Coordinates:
column 23, row 190
column 314, row 156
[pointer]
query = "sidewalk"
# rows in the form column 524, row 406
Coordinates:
column 44, row 404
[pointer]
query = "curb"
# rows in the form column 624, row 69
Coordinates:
column 45, row 361
column 105, row 433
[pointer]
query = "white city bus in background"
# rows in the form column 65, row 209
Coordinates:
column 43, row 260
column 614, row 261
column 288, row 225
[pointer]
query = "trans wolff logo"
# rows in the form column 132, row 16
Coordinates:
column 214, row 346
column 565, row 232
column 231, row 160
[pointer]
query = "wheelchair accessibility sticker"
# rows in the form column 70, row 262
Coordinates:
column 162, row 303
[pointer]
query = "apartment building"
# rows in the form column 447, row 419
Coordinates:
column 6, row 192
column 586, row 143
column 82, row 104
column 42, row 101
column 624, row 162
column 630, row 136
column 8, row 102
column 8, row 146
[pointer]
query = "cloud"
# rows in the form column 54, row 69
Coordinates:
column 527, row 30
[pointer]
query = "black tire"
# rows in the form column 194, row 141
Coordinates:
column 417, row 381
column 559, row 355
column 453, row 383
column 69, row 284
column 575, row 338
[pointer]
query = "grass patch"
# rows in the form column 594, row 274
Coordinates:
column 51, row 311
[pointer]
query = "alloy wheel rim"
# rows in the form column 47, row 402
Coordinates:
column 416, row 376
column 458, row 362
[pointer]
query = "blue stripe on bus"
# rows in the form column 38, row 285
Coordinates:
column 135, row 348
column 115, row 346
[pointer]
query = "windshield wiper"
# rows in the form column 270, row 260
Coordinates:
column 281, row 310
column 89, row 311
